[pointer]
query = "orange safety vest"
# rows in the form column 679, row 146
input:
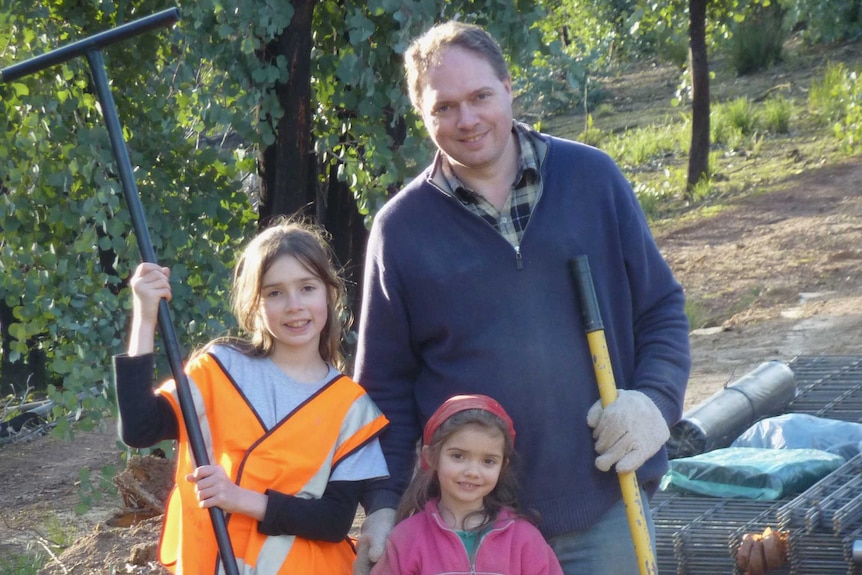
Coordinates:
column 295, row 456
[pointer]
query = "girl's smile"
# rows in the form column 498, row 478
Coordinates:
column 468, row 469
column 293, row 306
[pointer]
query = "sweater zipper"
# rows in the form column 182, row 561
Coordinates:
column 519, row 258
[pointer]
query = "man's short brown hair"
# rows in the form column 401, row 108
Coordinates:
column 425, row 51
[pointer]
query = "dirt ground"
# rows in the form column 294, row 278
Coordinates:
column 774, row 276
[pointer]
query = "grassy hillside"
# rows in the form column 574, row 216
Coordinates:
column 765, row 126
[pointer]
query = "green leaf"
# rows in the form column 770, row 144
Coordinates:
column 20, row 89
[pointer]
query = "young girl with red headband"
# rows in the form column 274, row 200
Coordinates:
column 460, row 513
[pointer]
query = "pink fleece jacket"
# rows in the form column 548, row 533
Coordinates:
column 423, row 545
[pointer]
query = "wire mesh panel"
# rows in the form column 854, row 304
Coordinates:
column 698, row 535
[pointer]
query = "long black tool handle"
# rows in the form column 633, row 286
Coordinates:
column 90, row 47
column 580, row 268
column 145, row 244
column 89, row 44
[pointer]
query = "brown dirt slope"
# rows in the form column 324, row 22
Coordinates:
column 781, row 270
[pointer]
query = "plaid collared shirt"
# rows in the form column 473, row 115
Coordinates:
column 512, row 219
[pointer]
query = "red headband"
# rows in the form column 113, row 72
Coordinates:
column 459, row 403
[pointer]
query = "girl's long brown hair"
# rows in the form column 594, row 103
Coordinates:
column 426, row 486
column 308, row 243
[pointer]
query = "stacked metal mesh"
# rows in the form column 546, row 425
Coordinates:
column 700, row 535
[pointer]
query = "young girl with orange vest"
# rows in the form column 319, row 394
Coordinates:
column 460, row 513
column 291, row 440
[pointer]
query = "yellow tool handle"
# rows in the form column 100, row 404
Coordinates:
column 635, row 509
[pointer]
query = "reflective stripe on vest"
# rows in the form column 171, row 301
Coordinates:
column 295, row 457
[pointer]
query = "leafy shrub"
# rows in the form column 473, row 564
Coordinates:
column 837, row 100
column 66, row 242
column 827, row 20
column 777, row 113
column 757, row 41
column 849, row 131
column 827, row 97
column 732, row 123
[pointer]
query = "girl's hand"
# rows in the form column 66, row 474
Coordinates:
column 214, row 488
column 150, row 283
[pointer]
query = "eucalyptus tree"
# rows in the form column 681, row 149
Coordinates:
column 66, row 246
column 245, row 109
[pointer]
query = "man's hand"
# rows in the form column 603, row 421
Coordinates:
column 372, row 540
column 628, row 432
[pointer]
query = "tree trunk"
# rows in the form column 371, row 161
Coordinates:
column 22, row 374
column 340, row 216
column 698, row 159
column 288, row 167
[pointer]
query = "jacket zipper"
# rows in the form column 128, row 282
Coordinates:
column 479, row 544
column 471, row 559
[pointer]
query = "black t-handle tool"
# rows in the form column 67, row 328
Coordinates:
column 91, row 48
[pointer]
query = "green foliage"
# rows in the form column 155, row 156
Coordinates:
column 66, row 241
column 826, row 21
column 648, row 144
column 198, row 103
column 827, row 97
column 591, row 134
column 703, row 188
column 758, row 41
column 576, row 42
column 662, row 28
column 361, row 108
column 28, row 563
column 837, row 101
column 740, row 114
column 732, row 123
column 654, row 198
column 91, row 489
column 777, row 114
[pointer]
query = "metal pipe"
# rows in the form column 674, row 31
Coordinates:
column 90, row 47
column 89, row 44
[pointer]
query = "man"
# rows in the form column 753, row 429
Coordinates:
column 468, row 290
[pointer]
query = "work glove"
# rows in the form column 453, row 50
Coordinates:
column 372, row 539
column 627, row 432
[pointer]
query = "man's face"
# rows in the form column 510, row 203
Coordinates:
column 467, row 110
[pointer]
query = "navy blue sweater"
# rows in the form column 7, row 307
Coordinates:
column 449, row 308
